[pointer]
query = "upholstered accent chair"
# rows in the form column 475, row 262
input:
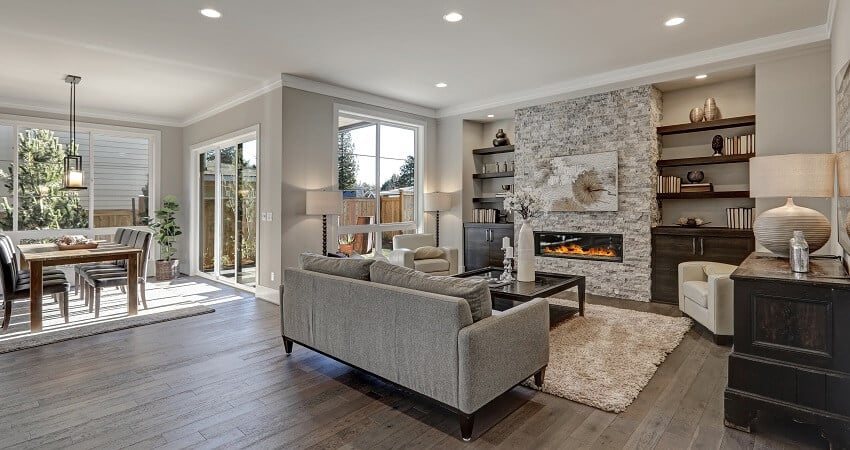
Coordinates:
column 417, row 251
column 706, row 294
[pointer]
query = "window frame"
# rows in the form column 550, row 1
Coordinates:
column 378, row 118
column 21, row 123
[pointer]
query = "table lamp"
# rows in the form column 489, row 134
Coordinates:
column 324, row 203
column 788, row 176
column 436, row 202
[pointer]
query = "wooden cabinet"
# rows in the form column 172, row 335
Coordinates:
column 792, row 345
column 674, row 245
column 482, row 244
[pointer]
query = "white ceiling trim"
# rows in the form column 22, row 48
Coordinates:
column 90, row 113
column 266, row 88
column 355, row 96
column 769, row 44
column 830, row 16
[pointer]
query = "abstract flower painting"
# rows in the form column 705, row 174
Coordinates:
column 578, row 182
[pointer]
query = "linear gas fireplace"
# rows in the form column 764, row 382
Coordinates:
column 593, row 246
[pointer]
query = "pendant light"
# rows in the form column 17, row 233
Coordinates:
column 73, row 163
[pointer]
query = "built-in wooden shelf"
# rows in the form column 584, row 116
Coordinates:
column 703, row 230
column 718, row 124
column 696, row 195
column 480, row 176
column 705, row 160
column 488, row 199
column 493, row 150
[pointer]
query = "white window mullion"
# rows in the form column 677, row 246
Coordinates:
column 17, row 129
column 91, row 181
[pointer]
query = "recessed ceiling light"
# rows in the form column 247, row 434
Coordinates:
column 211, row 13
column 491, row 116
column 674, row 21
column 453, row 17
column 701, row 76
column 441, row 85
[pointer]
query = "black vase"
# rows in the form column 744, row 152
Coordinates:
column 717, row 145
column 501, row 139
column 695, row 176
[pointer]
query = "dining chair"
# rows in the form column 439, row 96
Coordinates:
column 95, row 279
column 15, row 287
column 47, row 273
column 118, row 238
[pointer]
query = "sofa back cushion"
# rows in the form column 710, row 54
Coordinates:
column 476, row 293
column 357, row 269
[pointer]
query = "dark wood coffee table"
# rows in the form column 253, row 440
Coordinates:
column 544, row 285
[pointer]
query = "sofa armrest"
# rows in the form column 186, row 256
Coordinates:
column 402, row 257
column 451, row 255
column 499, row 352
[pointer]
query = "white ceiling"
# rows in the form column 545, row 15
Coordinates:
column 161, row 61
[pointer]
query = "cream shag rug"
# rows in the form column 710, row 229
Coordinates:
column 607, row 357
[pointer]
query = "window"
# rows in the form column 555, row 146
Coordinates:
column 377, row 173
column 31, row 168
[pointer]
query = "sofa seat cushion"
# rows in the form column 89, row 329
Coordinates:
column 431, row 265
column 697, row 292
column 476, row 293
column 357, row 269
column 429, row 253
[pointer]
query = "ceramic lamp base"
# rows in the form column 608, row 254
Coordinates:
column 774, row 228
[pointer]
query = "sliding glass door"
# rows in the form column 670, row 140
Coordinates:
column 227, row 213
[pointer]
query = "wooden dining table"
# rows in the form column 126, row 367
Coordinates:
column 39, row 256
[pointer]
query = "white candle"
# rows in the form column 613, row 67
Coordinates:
column 506, row 242
column 75, row 178
column 509, row 252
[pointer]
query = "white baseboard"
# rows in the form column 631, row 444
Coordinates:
column 268, row 294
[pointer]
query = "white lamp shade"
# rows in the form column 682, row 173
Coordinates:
column 438, row 201
column 324, row 203
column 797, row 175
column 842, row 163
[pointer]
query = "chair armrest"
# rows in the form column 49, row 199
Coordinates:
column 499, row 352
column 689, row 271
column 451, row 255
column 721, row 298
column 402, row 257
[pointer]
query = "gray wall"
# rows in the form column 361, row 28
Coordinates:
column 623, row 121
column 793, row 98
column 265, row 111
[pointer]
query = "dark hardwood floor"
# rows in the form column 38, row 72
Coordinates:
column 223, row 380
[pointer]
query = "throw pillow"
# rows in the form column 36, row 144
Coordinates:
column 713, row 270
column 343, row 267
column 429, row 253
column 476, row 293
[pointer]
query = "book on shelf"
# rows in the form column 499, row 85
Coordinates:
column 740, row 145
column 740, row 218
column 697, row 187
column 668, row 185
column 485, row 215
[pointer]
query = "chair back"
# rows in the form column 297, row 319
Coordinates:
column 119, row 234
column 8, row 272
column 412, row 241
column 13, row 250
column 144, row 242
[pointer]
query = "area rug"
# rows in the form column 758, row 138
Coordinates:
column 607, row 357
column 166, row 301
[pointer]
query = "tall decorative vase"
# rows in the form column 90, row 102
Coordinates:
column 525, row 252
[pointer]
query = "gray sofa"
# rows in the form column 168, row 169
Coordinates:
column 427, row 343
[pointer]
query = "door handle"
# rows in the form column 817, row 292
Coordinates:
column 701, row 247
column 490, row 235
column 487, row 235
column 694, row 246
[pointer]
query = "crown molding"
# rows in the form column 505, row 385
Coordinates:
column 830, row 17
column 267, row 87
column 23, row 109
column 344, row 93
column 761, row 47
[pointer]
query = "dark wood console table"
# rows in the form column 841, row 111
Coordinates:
column 792, row 345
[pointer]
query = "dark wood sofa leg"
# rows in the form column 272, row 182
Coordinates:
column 539, row 377
column 287, row 345
column 466, row 423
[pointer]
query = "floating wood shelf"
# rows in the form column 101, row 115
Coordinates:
column 488, row 199
column 719, row 124
column 696, row 195
column 493, row 175
column 493, row 150
column 704, row 160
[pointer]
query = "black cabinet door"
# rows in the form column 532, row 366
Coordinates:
column 727, row 250
column 497, row 255
column 476, row 248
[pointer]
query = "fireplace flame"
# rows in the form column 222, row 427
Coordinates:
column 575, row 249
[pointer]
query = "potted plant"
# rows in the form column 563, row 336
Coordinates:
column 166, row 231
column 346, row 243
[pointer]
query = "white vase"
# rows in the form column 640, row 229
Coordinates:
column 525, row 252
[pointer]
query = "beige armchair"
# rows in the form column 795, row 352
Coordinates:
column 405, row 246
column 706, row 294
